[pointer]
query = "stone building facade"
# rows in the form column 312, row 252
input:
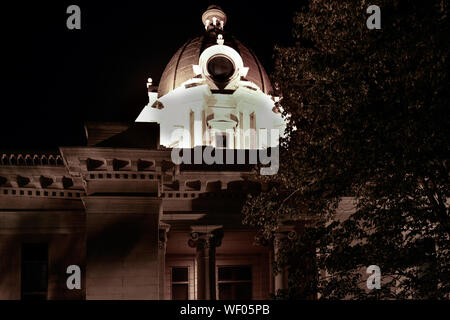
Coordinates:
column 138, row 225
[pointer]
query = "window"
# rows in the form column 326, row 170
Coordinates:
column 34, row 271
column 221, row 68
column 264, row 141
column 221, row 140
column 252, row 131
column 191, row 128
column 180, row 283
column 235, row 283
column 205, row 138
column 179, row 132
column 241, row 130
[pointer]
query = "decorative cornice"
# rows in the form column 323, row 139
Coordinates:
column 31, row 179
column 30, row 159
column 50, row 193
column 137, row 205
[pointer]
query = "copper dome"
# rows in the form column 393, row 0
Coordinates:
column 179, row 69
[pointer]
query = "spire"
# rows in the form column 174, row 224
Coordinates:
column 214, row 18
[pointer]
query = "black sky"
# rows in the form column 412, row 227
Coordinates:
column 55, row 79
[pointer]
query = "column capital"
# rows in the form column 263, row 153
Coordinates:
column 203, row 237
column 162, row 235
column 285, row 233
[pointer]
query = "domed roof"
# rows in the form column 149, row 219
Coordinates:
column 179, row 68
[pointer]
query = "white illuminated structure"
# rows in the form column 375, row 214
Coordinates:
column 216, row 92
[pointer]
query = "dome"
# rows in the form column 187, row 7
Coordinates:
column 179, row 69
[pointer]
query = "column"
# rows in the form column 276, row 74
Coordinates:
column 205, row 239
column 162, row 244
column 282, row 235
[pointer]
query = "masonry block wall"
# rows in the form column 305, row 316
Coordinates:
column 61, row 231
column 122, row 248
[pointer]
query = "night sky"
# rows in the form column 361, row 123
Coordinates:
column 55, row 79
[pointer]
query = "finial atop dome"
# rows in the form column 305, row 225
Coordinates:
column 220, row 40
column 214, row 17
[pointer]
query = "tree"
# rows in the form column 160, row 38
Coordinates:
column 368, row 115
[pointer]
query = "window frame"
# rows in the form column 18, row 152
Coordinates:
column 25, row 294
column 172, row 283
column 251, row 281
